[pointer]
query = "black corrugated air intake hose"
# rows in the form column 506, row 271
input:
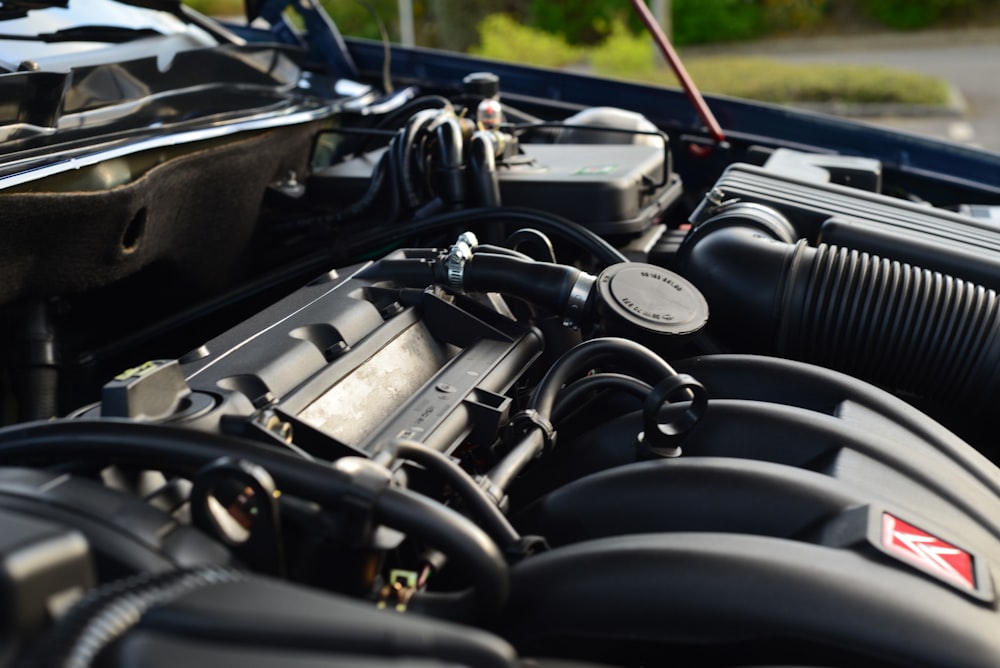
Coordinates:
column 905, row 327
column 223, row 615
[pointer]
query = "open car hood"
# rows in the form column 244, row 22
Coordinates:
column 476, row 364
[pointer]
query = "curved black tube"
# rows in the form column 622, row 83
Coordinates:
column 450, row 177
column 185, row 451
column 623, row 353
column 557, row 226
column 540, row 283
column 480, row 505
column 476, row 553
column 483, row 170
column 588, row 355
column 690, row 494
column 411, row 134
column 574, row 392
column 490, row 249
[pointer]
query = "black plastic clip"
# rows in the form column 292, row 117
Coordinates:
column 663, row 439
column 521, row 422
column 526, row 546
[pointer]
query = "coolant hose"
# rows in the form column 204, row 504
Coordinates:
column 898, row 325
column 553, row 286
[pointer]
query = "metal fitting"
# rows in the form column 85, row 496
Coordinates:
column 577, row 300
column 458, row 255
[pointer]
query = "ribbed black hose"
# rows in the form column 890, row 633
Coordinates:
column 106, row 614
column 910, row 328
column 903, row 327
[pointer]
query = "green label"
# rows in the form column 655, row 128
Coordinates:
column 596, row 170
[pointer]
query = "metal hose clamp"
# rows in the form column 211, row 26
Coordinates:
column 458, row 255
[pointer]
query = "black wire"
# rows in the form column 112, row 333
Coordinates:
column 550, row 223
column 479, row 504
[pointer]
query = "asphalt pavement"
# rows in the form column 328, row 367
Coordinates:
column 968, row 59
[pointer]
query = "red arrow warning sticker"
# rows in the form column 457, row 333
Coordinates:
column 928, row 552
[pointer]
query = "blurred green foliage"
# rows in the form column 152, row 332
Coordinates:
column 452, row 24
column 550, row 34
column 502, row 37
column 703, row 21
column 579, row 21
column 909, row 15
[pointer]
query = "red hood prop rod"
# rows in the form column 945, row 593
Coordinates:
column 677, row 66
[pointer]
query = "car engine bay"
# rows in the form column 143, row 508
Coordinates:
column 307, row 371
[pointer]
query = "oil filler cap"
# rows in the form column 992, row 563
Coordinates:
column 650, row 304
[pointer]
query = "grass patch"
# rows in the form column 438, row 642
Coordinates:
column 501, row 37
column 770, row 80
column 626, row 56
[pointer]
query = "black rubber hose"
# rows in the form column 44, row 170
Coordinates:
column 573, row 394
column 185, row 451
column 412, row 134
column 483, row 170
column 353, row 146
column 106, row 614
column 894, row 324
column 450, row 175
column 456, row 536
column 479, row 503
column 540, row 283
column 588, row 355
column 621, row 353
column 490, row 249
column 557, row 226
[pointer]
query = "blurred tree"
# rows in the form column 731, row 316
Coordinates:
column 580, row 21
column 451, row 24
column 353, row 18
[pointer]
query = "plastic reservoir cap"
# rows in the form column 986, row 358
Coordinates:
column 651, row 302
